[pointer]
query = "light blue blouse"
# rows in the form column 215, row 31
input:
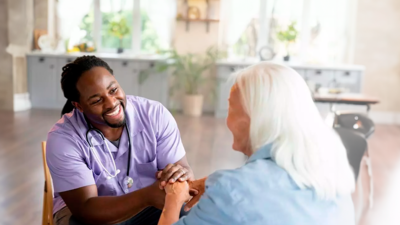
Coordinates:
column 262, row 193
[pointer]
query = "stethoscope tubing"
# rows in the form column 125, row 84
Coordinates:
column 96, row 156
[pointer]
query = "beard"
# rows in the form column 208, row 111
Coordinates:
column 116, row 125
column 120, row 123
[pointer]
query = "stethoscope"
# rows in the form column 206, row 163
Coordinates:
column 128, row 181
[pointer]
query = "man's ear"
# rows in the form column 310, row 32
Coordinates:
column 78, row 106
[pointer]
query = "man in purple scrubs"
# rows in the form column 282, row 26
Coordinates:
column 105, row 152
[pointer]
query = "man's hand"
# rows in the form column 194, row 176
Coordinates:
column 173, row 173
column 200, row 187
column 156, row 197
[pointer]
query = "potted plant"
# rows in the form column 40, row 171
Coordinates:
column 288, row 37
column 119, row 28
column 187, row 71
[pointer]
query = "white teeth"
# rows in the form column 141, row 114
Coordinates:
column 115, row 112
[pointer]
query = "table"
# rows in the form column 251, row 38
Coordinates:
column 345, row 98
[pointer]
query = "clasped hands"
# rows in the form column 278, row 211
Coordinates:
column 179, row 184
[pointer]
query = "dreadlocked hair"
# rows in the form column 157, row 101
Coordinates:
column 71, row 74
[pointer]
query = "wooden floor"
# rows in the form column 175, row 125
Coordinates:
column 208, row 145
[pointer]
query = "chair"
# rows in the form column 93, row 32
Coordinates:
column 47, row 218
column 357, row 152
column 356, row 146
column 355, row 121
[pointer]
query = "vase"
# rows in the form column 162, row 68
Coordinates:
column 286, row 58
column 193, row 105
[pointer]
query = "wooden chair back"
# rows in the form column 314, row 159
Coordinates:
column 47, row 218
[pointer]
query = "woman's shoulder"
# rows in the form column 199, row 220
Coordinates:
column 252, row 176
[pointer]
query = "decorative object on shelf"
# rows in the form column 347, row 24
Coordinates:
column 197, row 11
column 266, row 53
column 36, row 35
column 45, row 43
column 83, row 47
column 288, row 37
column 193, row 13
column 187, row 70
column 119, row 28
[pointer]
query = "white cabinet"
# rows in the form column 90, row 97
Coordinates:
column 349, row 77
column 156, row 86
column 302, row 72
column 126, row 72
column 44, row 79
column 322, row 78
column 60, row 99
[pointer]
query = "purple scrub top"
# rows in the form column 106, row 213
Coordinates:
column 155, row 140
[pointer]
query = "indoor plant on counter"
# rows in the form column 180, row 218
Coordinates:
column 119, row 28
column 187, row 71
column 288, row 37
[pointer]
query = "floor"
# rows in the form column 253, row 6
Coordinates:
column 208, row 145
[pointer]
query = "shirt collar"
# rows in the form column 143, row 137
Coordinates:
column 132, row 118
column 262, row 153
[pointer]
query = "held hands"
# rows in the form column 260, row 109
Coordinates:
column 184, row 188
column 178, row 191
column 189, row 192
column 200, row 187
column 172, row 173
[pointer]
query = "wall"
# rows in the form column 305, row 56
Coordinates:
column 377, row 47
column 196, row 39
column 40, row 14
column 6, row 90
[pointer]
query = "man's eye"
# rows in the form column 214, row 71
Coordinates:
column 97, row 101
column 114, row 90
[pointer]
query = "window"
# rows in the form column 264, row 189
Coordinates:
column 116, row 14
column 247, row 43
column 87, row 26
column 322, row 26
column 119, row 14
column 150, row 41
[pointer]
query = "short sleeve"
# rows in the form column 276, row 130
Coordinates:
column 216, row 206
column 66, row 163
column 169, row 144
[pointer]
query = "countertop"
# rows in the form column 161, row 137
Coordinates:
column 123, row 56
column 224, row 62
column 228, row 62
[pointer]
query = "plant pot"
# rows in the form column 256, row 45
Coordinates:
column 120, row 50
column 193, row 105
column 286, row 58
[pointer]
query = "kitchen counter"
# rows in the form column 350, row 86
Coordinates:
column 122, row 56
column 235, row 62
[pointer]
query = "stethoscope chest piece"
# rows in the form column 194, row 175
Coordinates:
column 128, row 183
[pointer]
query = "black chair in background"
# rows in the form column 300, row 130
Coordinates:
column 356, row 145
column 355, row 121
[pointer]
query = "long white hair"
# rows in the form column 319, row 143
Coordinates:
column 282, row 112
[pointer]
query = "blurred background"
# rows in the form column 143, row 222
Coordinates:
column 347, row 51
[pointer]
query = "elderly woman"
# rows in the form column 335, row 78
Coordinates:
column 297, row 171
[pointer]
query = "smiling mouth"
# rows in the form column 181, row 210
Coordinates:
column 116, row 111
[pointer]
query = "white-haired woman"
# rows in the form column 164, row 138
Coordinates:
column 297, row 172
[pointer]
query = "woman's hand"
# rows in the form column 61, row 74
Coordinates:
column 200, row 187
column 178, row 191
column 175, row 195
